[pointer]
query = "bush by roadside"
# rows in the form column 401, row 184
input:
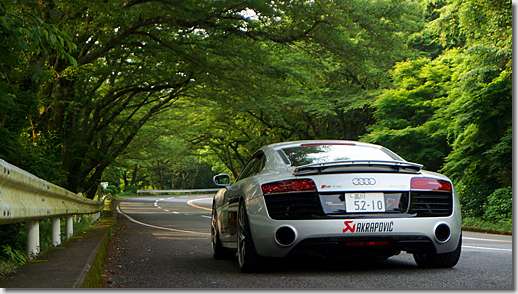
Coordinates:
column 502, row 226
column 495, row 214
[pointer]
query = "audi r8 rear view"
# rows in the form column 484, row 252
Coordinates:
column 335, row 199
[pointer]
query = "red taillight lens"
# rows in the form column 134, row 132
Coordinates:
column 430, row 184
column 303, row 185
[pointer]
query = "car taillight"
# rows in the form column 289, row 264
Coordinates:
column 430, row 184
column 302, row 185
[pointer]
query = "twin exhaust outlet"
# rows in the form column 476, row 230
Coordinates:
column 286, row 235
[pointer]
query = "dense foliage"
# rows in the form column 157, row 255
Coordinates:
column 164, row 94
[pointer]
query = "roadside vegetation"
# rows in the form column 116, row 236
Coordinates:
column 166, row 94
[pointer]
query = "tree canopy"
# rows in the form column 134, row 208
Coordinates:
column 164, row 94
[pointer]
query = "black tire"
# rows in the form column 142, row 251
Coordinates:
column 218, row 251
column 443, row 260
column 249, row 260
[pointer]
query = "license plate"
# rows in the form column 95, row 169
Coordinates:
column 364, row 202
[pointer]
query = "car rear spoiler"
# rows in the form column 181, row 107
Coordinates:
column 349, row 166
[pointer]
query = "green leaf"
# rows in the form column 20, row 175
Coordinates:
column 53, row 39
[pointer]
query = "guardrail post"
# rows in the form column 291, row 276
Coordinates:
column 70, row 226
column 96, row 216
column 33, row 238
column 56, row 231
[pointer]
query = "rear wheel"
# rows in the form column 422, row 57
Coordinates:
column 443, row 260
column 249, row 260
column 218, row 251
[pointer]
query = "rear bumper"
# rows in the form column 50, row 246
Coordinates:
column 358, row 247
column 329, row 237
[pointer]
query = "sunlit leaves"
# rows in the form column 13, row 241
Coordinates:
column 410, row 118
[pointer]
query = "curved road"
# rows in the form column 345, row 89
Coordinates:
column 164, row 242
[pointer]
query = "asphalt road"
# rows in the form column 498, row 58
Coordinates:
column 164, row 242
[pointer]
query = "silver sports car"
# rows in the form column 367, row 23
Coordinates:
column 335, row 199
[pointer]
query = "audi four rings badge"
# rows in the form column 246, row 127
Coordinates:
column 364, row 181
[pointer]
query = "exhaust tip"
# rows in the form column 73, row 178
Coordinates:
column 285, row 236
column 442, row 233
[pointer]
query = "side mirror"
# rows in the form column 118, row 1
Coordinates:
column 222, row 180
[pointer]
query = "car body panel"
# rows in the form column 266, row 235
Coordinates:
column 401, row 226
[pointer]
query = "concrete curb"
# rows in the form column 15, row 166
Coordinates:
column 91, row 276
column 89, row 262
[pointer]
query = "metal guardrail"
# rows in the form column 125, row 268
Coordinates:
column 176, row 191
column 27, row 198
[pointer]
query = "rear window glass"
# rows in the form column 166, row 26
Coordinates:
column 312, row 154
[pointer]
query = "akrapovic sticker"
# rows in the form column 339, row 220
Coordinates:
column 368, row 227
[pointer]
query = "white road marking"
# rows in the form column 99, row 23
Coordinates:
column 157, row 227
column 190, row 202
column 486, row 248
column 483, row 239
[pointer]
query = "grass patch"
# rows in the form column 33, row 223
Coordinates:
column 504, row 227
column 7, row 268
column 122, row 195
